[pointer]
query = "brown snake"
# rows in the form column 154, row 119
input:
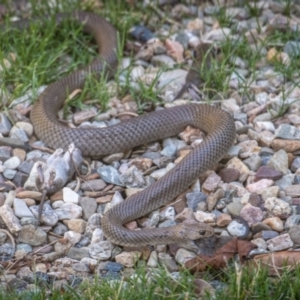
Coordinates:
column 217, row 123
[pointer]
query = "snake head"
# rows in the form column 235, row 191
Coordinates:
column 194, row 230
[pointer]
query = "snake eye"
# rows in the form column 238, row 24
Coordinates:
column 202, row 232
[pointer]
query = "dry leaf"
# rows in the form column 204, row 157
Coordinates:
column 277, row 262
column 221, row 256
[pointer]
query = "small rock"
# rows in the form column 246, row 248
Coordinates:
column 128, row 259
column 73, row 237
column 223, row 220
column 12, row 163
column 279, row 161
column 293, row 190
column 10, row 220
column 101, row 250
column 275, row 223
column 204, row 217
column 229, row 174
column 193, row 199
column 251, row 214
column 32, row 236
column 89, row 207
column 265, row 172
column 70, row 196
column 277, row 206
column 294, row 233
column 211, row 182
column 20, row 209
column 260, row 243
column 109, row 175
column 132, row 178
column 280, row 242
column 93, row 185
column 167, row 261
column 77, row 225
column 183, row 255
column 68, row 211
column 236, row 229
column 259, row 186
column 153, row 260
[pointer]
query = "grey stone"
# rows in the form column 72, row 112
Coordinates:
column 93, row 185
column 5, row 153
column 24, row 247
column 285, row 181
column 60, row 229
column 19, row 134
column 132, row 178
column 288, row 132
column 194, row 198
column 167, row 261
column 151, row 155
column 78, row 253
column 12, row 163
column 7, row 250
column 32, row 236
column 5, row 125
column 101, row 250
column 13, row 142
column 20, row 179
column 253, row 162
column 49, row 215
column 167, row 223
column 26, row 166
column 9, row 174
column 295, row 164
column 279, row 162
column 17, row 285
column 292, row 48
column 28, row 221
column 292, row 221
column 89, row 206
column 109, row 175
column 20, row 208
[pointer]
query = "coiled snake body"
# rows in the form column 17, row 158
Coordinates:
column 218, row 125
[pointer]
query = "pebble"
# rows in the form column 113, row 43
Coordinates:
column 128, row 259
column 89, row 207
column 279, row 161
column 294, row 233
column 229, row 174
column 251, row 214
column 280, row 243
column 9, row 218
column 20, row 209
column 277, row 206
column 275, row 223
column 109, row 175
column 101, row 250
column 93, row 185
column 259, row 186
column 32, row 236
column 236, row 229
column 70, row 196
column 68, row 211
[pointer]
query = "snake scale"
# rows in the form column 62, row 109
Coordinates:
column 217, row 123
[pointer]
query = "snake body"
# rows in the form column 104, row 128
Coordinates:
column 217, row 123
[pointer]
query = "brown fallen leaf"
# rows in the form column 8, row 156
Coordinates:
column 221, row 256
column 277, row 262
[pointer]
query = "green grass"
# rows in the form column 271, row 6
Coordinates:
column 234, row 284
